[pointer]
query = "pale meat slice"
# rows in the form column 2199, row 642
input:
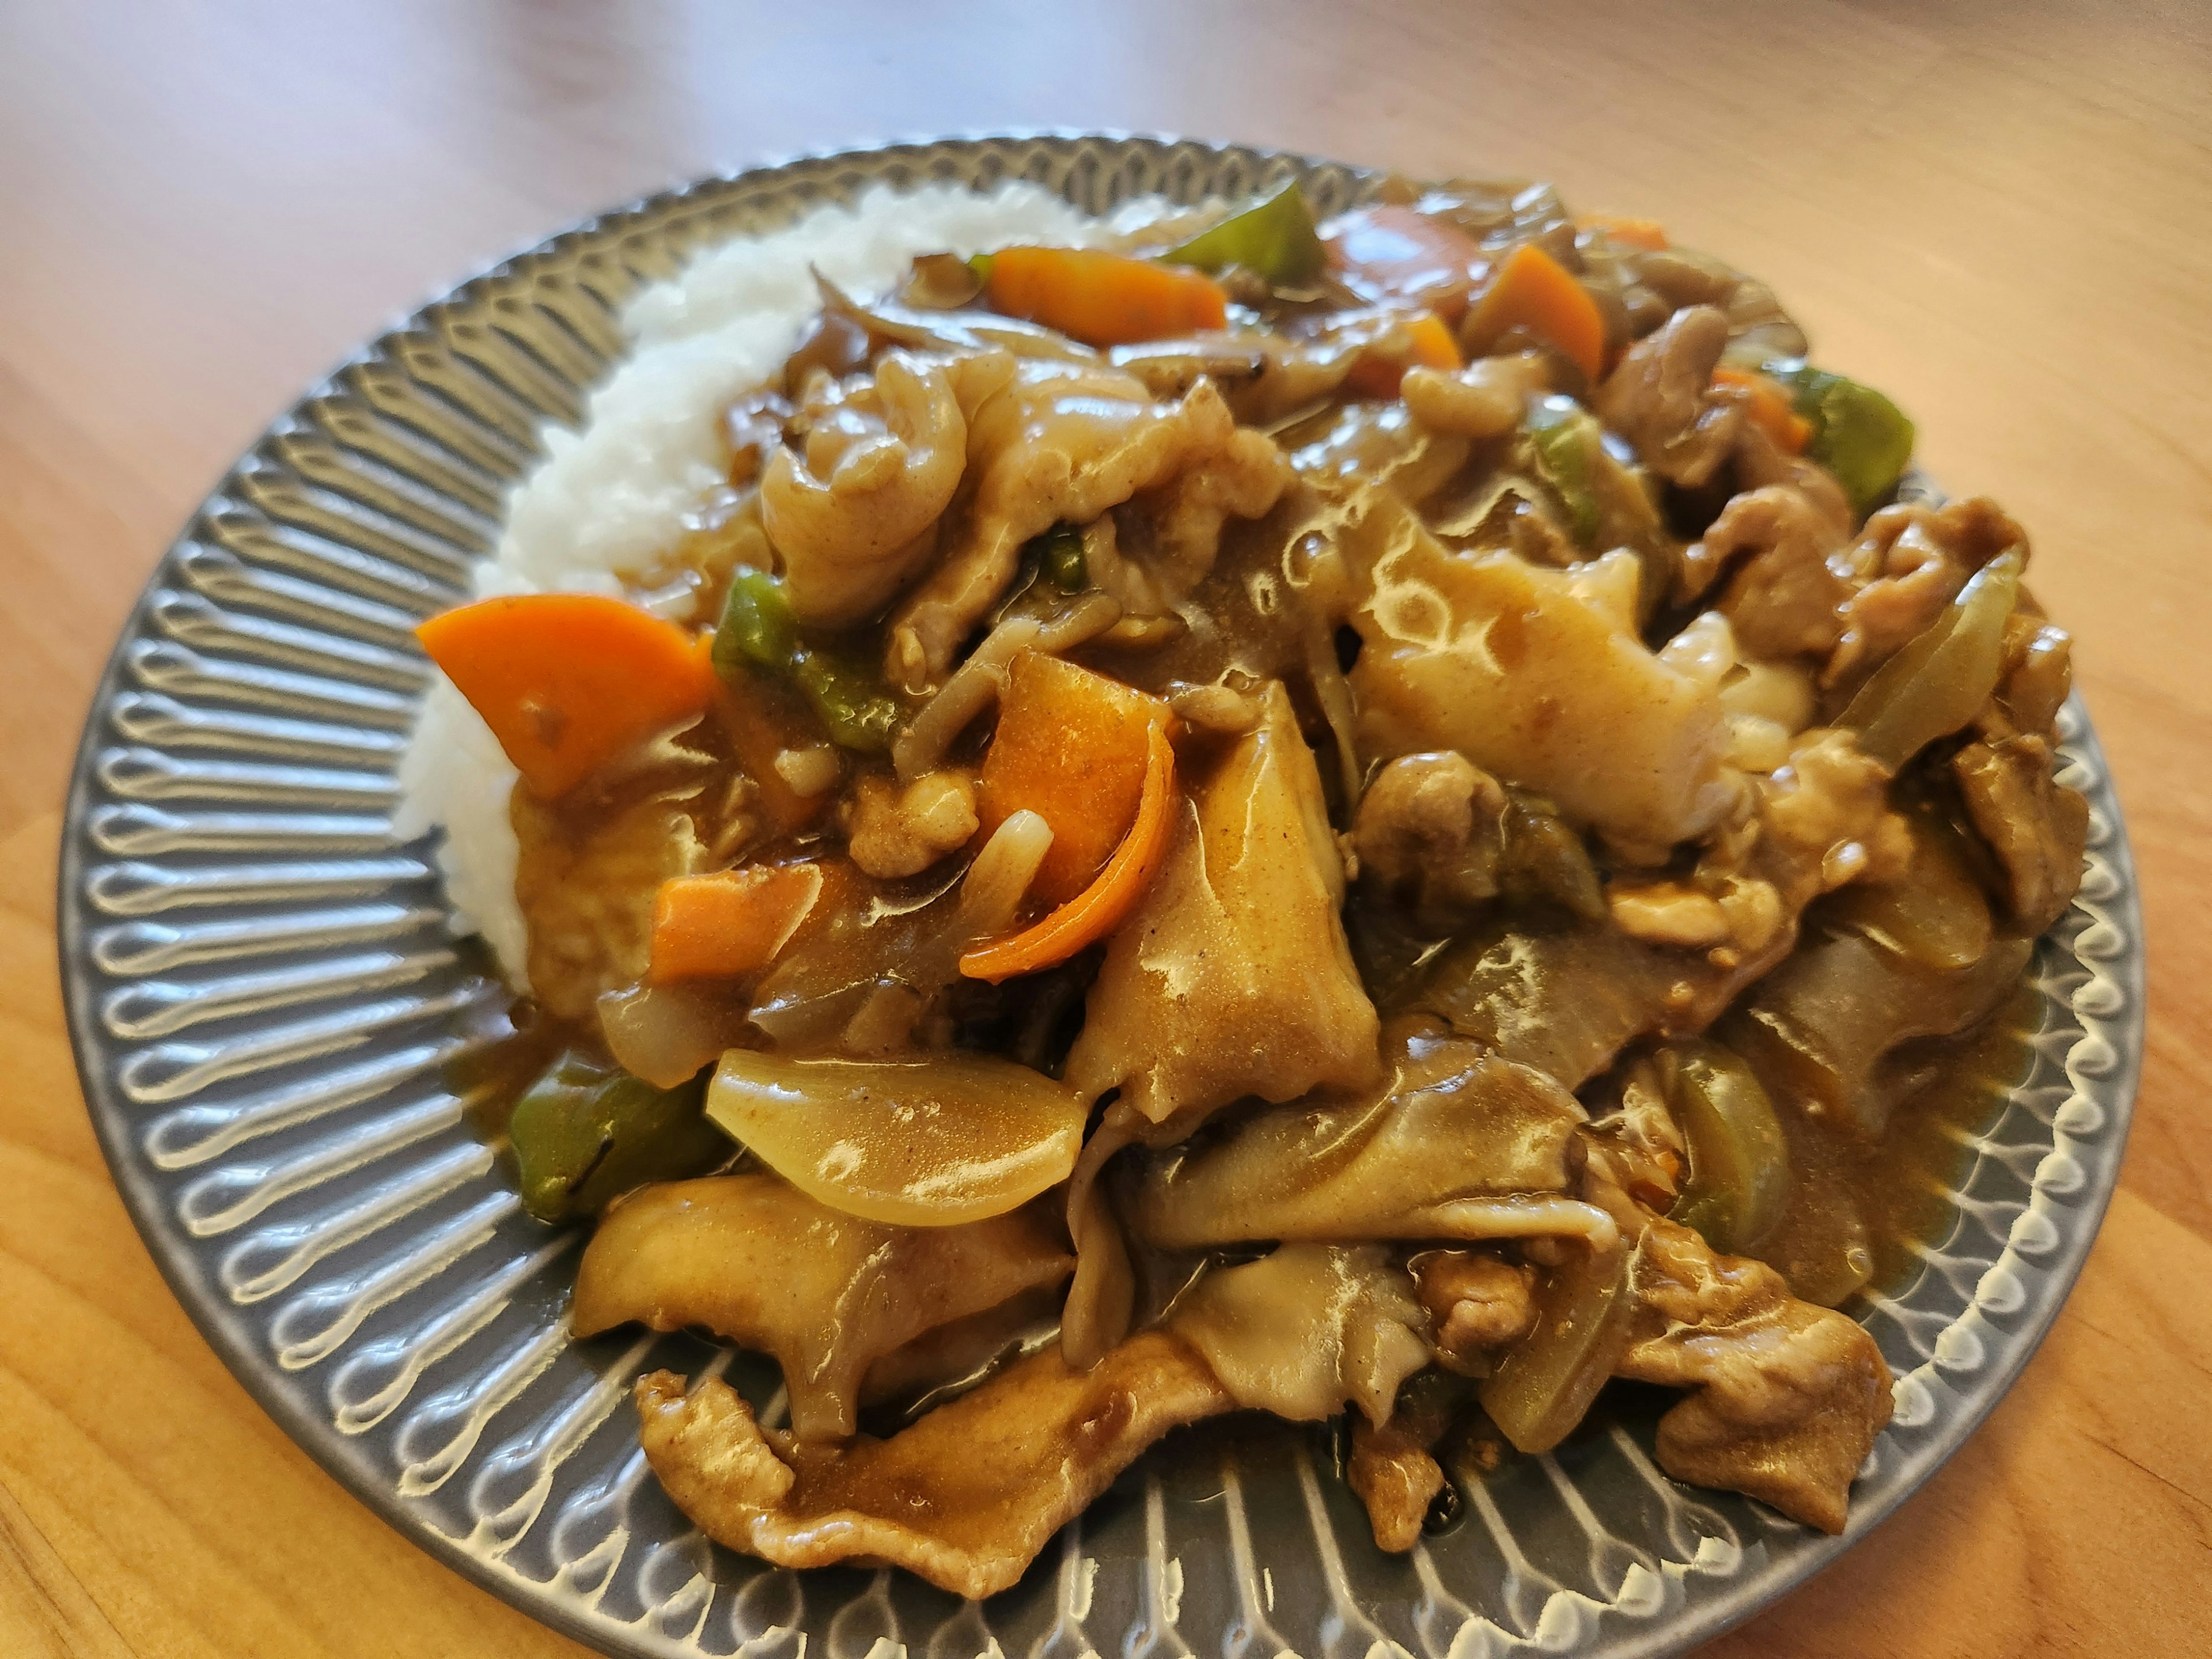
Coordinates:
column 1538, row 677
column 964, row 1499
column 1061, row 444
column 1787, row 1397
column 1393, row 1468
column 1661, row 397
column 756, row 1260
column 1456, row 1145
column 1232, row 976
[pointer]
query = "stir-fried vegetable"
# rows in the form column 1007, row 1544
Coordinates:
column 755, row 739
column 1857, row 433
column 1739, row 1180
column 1394, row 253
column 586, row 1133
column 1544, row 1384
column 1104, row 299
column 1647, row 233
column 1768, row 404
column 1073, row 746
column 568, row 682
column 731, row 922
column 1940, row 680
column 1094, row 913
column 1567, row 441
column 1060, row 558
column 1535, row 291
column 758, row 631
column 1274, row 238
column 932, row 1143
column 1420, row 341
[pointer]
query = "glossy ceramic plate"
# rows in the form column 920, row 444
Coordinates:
column 265, row 1001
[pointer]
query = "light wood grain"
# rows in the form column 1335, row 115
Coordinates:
column 1996, row 212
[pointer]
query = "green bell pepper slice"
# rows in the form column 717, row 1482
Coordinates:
column 1858, row 435
column 1275, row 239
column 587, row 1132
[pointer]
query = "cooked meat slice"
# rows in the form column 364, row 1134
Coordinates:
column 1788, row 1397
column 854, row 514
column 1785, row 600
column 1908, row 563
column 2038, row 672
column 1483, row 400
column 1062, row 444
column 1304, row 1331
column 1391, row 1469
column 1430, row 830
column 893, row 831
column 827, row 1294
column 1478, row 1303
column 1173, row 530
column 1661, row 398
column 1456, row 1145
column 965, row 1499
column 1232, row 976
column 2038, row 827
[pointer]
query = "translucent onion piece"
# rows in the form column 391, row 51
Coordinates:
column 1546, row 1381
column 931, row 1143
column 1938, row 682
column 1739, row 1181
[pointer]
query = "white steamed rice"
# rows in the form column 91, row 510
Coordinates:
column 607, row 499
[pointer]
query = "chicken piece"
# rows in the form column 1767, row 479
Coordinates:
column 1430, row 830
column 893, row 831
column 585, row 886
column 1538, row 677
column 1064, row 442
column 1232, row 976
column 1391, row 1469
column 1909, row 563
column 1661, row 398
column 1759, row 462
column 1478, row 1303
column 855, row 518
column 1483, row 401
column 1785, row 600
column 1788, row 1397
column 827, row 1294
column 1175, row 529
column 2038, row 674
column 1457, row 1145
column 1308, row 1328
column 2038, row 827
column 964, row 1499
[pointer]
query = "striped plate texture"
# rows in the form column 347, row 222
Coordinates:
column 266, row 1001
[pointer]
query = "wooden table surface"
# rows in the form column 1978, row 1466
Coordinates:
column 1998, row 213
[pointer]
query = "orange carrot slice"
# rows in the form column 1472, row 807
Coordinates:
column 1770, row 408
column 1647, row 233
column 1104, row 299
column 1392, row 252
column 568, row 682
column 1535, row 291
column 1073, row 746
column 1101, row 907
column 1424, row 342
column 731, row 922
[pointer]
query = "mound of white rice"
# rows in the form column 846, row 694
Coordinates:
column 607, row 499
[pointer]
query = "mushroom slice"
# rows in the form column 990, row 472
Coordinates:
column 827, row 1294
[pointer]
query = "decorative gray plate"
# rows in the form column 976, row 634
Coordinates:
column 264, row 1001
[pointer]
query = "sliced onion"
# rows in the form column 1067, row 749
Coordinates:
column 929, row 1143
